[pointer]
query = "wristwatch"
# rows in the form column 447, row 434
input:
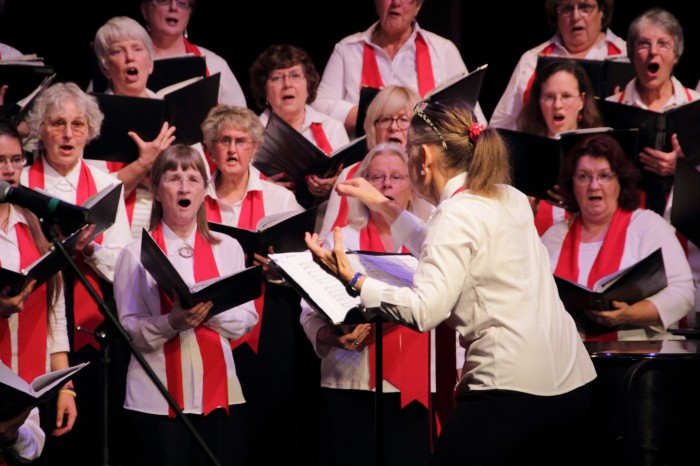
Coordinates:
column 352, row 284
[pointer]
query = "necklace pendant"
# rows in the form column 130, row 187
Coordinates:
column 186, row 251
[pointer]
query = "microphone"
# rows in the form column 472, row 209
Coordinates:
column 69, row 217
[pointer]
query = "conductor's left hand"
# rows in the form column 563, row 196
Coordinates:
column 336, row 260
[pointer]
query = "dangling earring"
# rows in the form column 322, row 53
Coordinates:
column 185, row 33
column 579, row 118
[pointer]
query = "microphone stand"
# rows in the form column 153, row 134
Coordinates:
column 101, row 336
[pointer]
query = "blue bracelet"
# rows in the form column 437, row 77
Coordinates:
column 354, row 280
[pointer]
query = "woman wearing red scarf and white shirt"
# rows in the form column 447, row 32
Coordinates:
column 347, row 365
column 394, row 50
column 190, row 354
column 581, row 31
column 33, row 335
column 166, row 21
column 284, row 80
column 598, row 182
column 655, row 44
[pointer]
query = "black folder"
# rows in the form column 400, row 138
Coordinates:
column 224, row 292
column 283, row 231
column 185, row 108
column 685, row 210
column 464, row 87
column 16, row 395
column 284, row 149
column 605, row 75
column 656, row 128
column 639, row 281
column 22, row 79
column 42, row 269
column 535, row 160
column 15, row 112
column 172, row 70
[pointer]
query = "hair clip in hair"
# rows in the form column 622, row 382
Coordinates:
column 475, row 131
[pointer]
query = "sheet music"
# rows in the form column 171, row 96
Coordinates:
column 327, row 292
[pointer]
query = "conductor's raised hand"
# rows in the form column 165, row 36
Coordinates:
column 363, row 190
column 185, row 319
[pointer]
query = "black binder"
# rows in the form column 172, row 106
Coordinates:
column 639, row 281
column 185, row 108
column 22, row 79
column 685, row 210
column 284, row 149
column 605, row 75
column 284, row 232
column 536, row 160
column 224, row 292
column 172, row 70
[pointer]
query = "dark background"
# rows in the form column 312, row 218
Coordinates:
column 493, row 32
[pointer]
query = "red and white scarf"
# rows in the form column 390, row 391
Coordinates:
column 31, row 321
column 606, row 262
column 371, row 76
column 214, row 370
column 252, row 210
column 85, row 311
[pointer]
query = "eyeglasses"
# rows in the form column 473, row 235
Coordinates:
column 60, row 125
column 386, row 121
column 644, row 45
column 16, row 161
column 241, row 144
column 584, row 8
column 294, row 77
column 378, row 179
column 419, row 110
column 179, row 3
column 179, row 180
column 587, row 178
column 566, row 99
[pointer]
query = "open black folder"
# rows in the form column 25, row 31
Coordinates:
column 22, row 79
column 464, row 87
column 328, row 295
column 224, row 292
column 634, row 283
column 172, row 70
column 286, row 150
column 15, row 112
column 41, row 269
column 685, row 210
column 16, row 395
column 184, row 107
column 605, row 75
column 656, row 128
column 535, row 160
column 283, row 231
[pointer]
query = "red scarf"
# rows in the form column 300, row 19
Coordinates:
column 342, row 219
column 215, row 374
column 606, row 262
column 545, row 216
column 321, row 139
column 548, row 50
column 371, row 76
column 252, row 210
column 85, row 311
column 130, row 200
column 32, row 320
column 406, row 353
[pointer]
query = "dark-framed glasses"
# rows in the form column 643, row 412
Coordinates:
column 385, row 121
column 604, row 178
column 585, row 9
column 179, row 3
column 419, row 110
